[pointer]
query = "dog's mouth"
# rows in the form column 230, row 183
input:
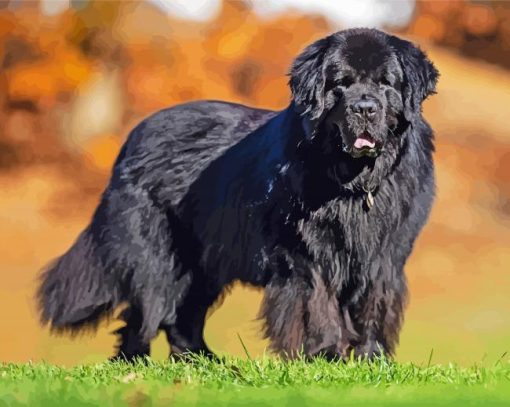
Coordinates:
column 364, row 141
column 364, row 145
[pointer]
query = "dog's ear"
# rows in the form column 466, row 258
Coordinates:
column 308, row 79
column 420, row 75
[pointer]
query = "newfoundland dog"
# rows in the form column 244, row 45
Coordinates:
column 320, row 204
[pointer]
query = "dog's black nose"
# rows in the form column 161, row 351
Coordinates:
column 367, row 108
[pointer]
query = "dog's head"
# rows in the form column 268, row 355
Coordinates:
column 361, row 86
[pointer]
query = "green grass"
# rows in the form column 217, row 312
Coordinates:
column 258, row 382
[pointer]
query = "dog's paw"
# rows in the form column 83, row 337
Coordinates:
column 370, row 350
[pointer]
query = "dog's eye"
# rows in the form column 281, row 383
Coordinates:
column 330, row 85
column 346, row 81
column 334, row 84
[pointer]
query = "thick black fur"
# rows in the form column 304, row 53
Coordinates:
column 207, row 193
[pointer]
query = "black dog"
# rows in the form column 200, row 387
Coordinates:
column 319, row 203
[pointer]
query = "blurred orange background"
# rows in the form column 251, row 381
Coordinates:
column 76, row 76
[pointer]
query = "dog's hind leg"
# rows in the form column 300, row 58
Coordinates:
column 136, row 237
column 131, row 344
column 186, row 334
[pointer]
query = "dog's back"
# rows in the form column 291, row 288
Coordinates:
column 172, row 147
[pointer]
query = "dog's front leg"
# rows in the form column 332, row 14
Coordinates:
column 283, row 309
column 325, row 332
column 381, row 314
column 303, row 316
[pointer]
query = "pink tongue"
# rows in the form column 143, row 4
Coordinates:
column 363, row 142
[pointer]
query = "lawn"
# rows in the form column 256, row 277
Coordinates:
column 254, row 382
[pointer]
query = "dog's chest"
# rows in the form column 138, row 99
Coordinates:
column 344, row 236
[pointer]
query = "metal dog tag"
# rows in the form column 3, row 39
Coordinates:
column 370, row 199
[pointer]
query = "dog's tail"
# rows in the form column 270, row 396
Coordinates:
column 77, row 290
